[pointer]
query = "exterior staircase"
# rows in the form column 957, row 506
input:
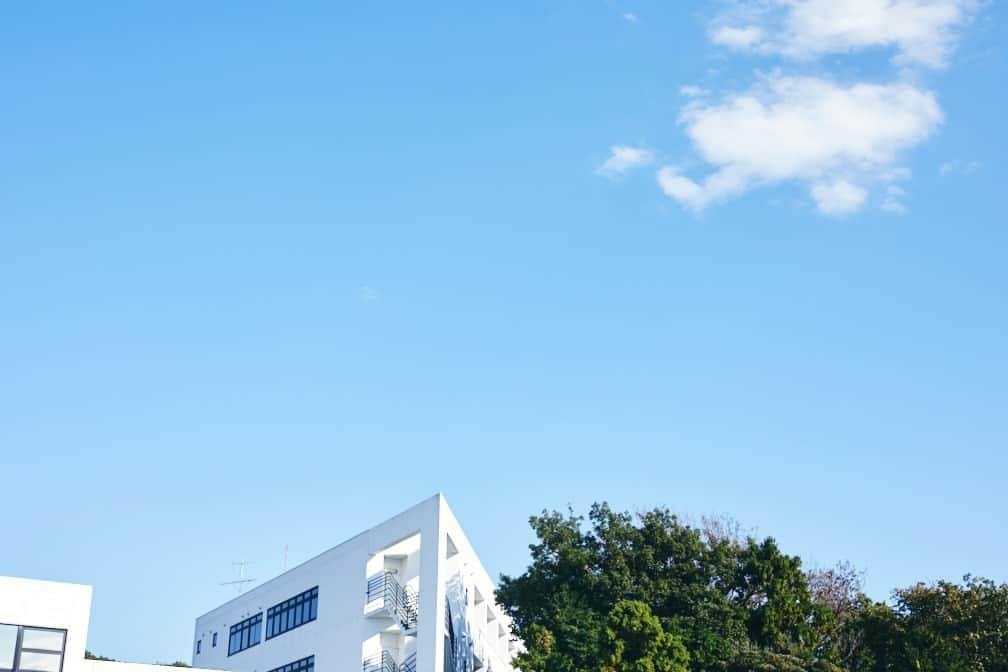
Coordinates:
column 393, row 600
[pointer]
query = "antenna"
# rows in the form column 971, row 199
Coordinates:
column 241, row 581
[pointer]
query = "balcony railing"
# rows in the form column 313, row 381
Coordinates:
column 398, row 601
column 408, row 664
column 383, row 663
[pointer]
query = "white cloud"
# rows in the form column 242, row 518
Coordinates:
column 806, row 129
column 691, row 91
column 738, row 38
column 630, row 17
column 960, row 167
column 921, row 31
column 368, row 294
column 623, row 159
column 893, row 202
column 838, row 198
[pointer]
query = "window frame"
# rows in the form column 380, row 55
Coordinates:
column 19, row 647
column 292, row 613
column 245, row 630
column 306, row 664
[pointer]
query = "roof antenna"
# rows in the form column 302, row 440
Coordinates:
column 241, row 581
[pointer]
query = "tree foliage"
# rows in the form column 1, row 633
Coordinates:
column 649, row 593
column 712, row 595
column 634, row 641
column 941, row 627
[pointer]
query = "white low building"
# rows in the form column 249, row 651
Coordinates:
column 409, row 595
column 44, row 626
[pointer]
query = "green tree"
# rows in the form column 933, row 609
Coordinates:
column 940, row 627
column 715, row 594
column 950, row 627
column 635, row 641
column 773, row 593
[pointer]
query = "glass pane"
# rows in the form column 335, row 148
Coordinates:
column 8, row 640
column 40, row 662
column 37, row 638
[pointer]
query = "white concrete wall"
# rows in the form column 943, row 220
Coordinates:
column 339, row 635
column 495, row 634
column 48, row 604
column 342, row 634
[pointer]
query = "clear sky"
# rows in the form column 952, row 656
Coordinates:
column 272, row 272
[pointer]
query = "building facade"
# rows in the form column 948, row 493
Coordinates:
column 44, row 628
column 43, row 625
column 409, row 595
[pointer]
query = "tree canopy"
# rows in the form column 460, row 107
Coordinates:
column 650, row 593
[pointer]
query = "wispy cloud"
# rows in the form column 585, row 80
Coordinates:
column 960, row 167
column 630, row 17
column 893, row 202
column 691, row 91
column 838, row 198
column 920, row 31
column 738, row 37
column 836, row 138
column 368, row 294
column 622, row 159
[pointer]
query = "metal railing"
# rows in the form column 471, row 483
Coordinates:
column 408, row 664
column 383, row 663
column 400, row 602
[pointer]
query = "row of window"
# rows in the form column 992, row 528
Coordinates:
column 292, row 613
column 280, row 618
column 25, row 649
column 246, row 634
column 303, row 665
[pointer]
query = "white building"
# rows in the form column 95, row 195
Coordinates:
column 44, row 626
column 409, row 595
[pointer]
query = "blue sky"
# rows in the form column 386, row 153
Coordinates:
column 269, row 276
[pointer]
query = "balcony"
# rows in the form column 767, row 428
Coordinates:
column 408, row 664
column 383, row 663
column 387, row 598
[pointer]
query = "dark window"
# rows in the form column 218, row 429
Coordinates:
column 303, row 665
column 214, row 644
column 199, row 645
column 292, row 613
column 25, row 649
column 245, row 634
